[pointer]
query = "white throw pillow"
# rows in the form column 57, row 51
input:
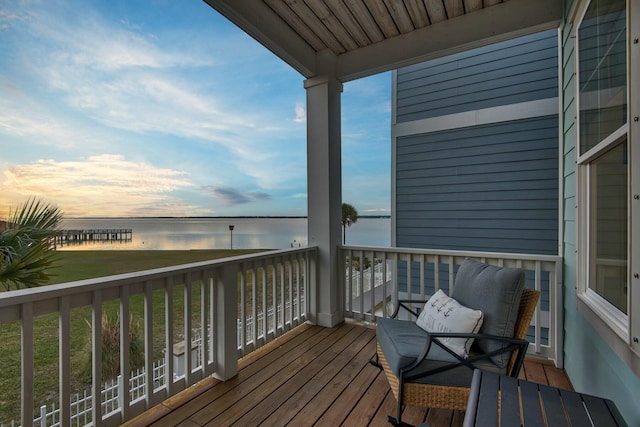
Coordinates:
column 444, row 314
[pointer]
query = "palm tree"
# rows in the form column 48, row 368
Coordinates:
column 25, row 245
column 349, row 217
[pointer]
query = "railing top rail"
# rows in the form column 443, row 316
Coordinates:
column 41, row 293
column 456, row 253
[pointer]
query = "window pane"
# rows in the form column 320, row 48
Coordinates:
column 602, row 71
column 609, row 211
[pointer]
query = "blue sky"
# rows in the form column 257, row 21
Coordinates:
column 162, row 108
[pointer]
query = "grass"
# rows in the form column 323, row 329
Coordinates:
column 78, row 265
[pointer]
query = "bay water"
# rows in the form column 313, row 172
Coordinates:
column 214, row 233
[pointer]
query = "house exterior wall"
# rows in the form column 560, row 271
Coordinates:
column 592, row 364
column 490, row 187
column 475, row 149
column 511, row 72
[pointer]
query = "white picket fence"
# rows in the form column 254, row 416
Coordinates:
column 81, row 403
column 381, row 275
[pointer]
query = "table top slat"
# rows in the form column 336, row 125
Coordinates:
column 530, row 399
column 553, row 411
column 599, row 411
column 487, row 413
column 509, row 402
column 615, row 413
column 574, row 408
column 472, row 403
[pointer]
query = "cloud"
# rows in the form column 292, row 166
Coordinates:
column 301, row 115
column 378, row 210
column 98, row 80
column 231, row 196
column 86, row 78
column 108, row 185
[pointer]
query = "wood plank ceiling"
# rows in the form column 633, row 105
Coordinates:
column 347, row 25
column 358, row 38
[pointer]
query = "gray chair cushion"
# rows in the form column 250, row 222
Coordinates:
column 402, row 342
column 496, row 291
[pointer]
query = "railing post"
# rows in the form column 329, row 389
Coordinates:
column 226, row 322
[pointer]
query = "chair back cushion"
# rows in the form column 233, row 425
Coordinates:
column 495, row 291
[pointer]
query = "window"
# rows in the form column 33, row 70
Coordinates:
column 603, row 161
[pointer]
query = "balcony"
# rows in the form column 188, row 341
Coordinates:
column 310, row 376
column 253, row 355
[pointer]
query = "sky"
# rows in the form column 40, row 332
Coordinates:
column 126, row 108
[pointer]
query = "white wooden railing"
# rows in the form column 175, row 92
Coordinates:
column 416, row 273
column 223, row 304
column 229, row 291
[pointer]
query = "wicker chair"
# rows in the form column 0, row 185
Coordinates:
column 412, row 385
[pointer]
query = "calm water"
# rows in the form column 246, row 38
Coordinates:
column 213, row 233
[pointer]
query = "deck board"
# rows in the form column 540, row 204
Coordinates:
column 310, row 376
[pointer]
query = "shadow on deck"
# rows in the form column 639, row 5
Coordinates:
column 310, row 376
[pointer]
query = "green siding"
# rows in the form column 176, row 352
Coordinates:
column 591, row 364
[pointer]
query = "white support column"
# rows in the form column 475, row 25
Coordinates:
column 226, row 325
column 324, row 180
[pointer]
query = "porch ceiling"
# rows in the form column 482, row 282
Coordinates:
column 371, row 36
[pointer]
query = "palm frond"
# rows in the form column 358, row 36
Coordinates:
column 25, row 245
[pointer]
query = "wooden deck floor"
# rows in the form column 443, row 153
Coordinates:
column 311, row 376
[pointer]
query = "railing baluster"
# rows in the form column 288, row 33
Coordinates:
column 436, row 273
column 96, row 348
column 243, row 312
column 254, row 305
column 274, row 298
column 204, row 326
column 384, row 284
column 188, row 340
column 409, row 276
column 168, row 318
column 125, row 369
column 349, row 279
column 372, row 286
column 422, row 278
column 536, row 315
column 64, row 356
column 451, row 274
column 361, row 283
column 280, row 266
column 299, row 261
column 148, row 342
column 290, row 290
column 27, row 363
column 265, row 320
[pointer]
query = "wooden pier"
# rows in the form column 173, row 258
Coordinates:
column 70, row 237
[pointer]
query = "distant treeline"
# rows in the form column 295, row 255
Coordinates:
column 220, row 217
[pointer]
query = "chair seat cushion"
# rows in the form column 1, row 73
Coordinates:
column 402, row 342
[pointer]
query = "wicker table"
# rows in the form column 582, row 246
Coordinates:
column 504, row 401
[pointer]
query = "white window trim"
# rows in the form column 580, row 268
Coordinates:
column 633, row 70
column 626, row 327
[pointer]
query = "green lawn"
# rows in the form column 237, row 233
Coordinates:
column 78, row 265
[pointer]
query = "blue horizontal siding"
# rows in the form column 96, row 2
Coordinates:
column 492, row 187
column 520, row 70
